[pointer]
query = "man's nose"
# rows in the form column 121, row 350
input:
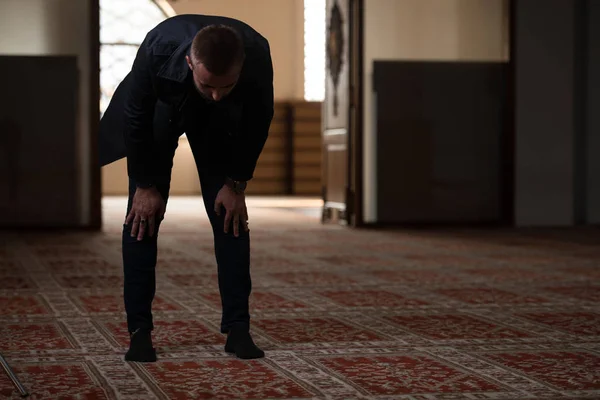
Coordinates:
column 216, row 95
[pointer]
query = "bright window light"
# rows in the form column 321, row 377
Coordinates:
column 314, row 50
column 123, row 26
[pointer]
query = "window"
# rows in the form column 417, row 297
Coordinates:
column 314, row 50
column 123, row 26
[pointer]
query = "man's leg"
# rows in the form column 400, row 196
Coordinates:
column 233, row 263
column 139, row 264
column 233, row 259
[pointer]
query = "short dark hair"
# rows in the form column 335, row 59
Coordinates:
column 219, row 48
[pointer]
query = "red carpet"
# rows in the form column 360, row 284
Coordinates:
column 342, row 314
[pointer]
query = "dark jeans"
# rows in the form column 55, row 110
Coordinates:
column 232, row 256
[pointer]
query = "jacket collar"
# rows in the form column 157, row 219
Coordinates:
column 176, row 68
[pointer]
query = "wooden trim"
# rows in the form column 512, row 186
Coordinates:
column 305, row 166
column 94, row 118
column 289, row 149
column 349, row 208
column 395, row 226
column 507, row 184
column 358, row 130
column 580, row 109
column 354, row 186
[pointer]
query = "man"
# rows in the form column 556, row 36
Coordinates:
column 212, row 78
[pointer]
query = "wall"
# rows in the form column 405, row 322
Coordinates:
column 282, row 23
column 424, row 30
column 55, row 27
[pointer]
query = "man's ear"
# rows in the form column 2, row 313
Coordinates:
column 189, row 62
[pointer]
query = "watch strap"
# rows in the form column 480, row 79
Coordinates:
column 144, row 185
column 236, row 186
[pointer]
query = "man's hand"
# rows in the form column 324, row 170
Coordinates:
column 235, row 209
column 148, row 206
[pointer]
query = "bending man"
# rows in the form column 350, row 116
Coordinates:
column 212, row 78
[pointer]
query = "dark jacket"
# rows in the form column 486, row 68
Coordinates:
column 150, row 104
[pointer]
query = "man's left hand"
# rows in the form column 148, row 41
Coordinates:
column 235, row 209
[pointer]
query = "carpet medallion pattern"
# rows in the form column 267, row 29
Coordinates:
column 341, row 314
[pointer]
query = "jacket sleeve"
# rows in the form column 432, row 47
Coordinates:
column 139, row 116
column 256, row 121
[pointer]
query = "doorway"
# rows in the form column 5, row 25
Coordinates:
column 342, row 114
column 290, row 165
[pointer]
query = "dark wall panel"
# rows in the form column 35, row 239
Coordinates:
column 593, row 112
column 38, row 141
column 440, row 127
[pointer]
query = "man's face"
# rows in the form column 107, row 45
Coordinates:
column 213, row 87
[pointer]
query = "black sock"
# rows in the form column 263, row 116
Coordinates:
column 240, row 343
column 140, row 347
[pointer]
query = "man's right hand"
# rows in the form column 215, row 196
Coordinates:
column 148, row 207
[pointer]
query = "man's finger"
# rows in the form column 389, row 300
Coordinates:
column 142, row 230
column 134, row 226
column 151, row 226
column 218, row 205
column 246, row 218
column 129, row 217
column 227, row 221
column 236, row 225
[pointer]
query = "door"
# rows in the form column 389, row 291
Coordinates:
column 341, row 114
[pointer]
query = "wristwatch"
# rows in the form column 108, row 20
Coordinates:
column 236, row 186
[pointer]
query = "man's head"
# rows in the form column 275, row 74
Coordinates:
column 216, row 60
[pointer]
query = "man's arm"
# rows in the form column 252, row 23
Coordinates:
column 258, row 114
column 139, row 116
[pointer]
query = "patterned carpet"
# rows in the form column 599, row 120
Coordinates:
column 342, row 314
